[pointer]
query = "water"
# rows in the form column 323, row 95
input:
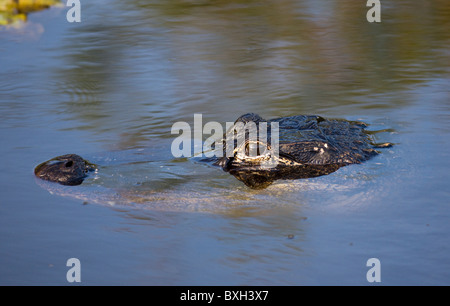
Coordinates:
column 110, row 88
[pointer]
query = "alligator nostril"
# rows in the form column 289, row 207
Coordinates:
column 69, row 164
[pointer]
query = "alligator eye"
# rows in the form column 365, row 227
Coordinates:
column 69, row 164
column 247, row 149
column 252, row 149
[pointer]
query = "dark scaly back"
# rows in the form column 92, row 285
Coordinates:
column 315, row 140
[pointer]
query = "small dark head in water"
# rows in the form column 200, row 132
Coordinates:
column 69, row 169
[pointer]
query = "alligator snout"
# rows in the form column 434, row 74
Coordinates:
column 69, row 169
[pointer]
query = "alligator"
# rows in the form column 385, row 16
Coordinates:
column 308, row 146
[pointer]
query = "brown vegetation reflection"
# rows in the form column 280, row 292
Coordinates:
column 162, row 61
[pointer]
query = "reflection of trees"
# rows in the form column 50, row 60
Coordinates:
column 16, row 11
column 88, row 73
column 157, row 62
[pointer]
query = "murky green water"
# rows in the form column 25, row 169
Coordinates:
column 110, row 88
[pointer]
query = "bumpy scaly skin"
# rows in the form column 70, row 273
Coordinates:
column 309, row 146
column 69, row 169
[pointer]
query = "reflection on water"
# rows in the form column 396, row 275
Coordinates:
column 15, row 12
column 170, row 59
column 116, row 82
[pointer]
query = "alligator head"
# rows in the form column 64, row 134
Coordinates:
column 297, row 147
column 262, row 151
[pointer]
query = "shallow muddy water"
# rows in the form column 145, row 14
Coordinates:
column 110, row 88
